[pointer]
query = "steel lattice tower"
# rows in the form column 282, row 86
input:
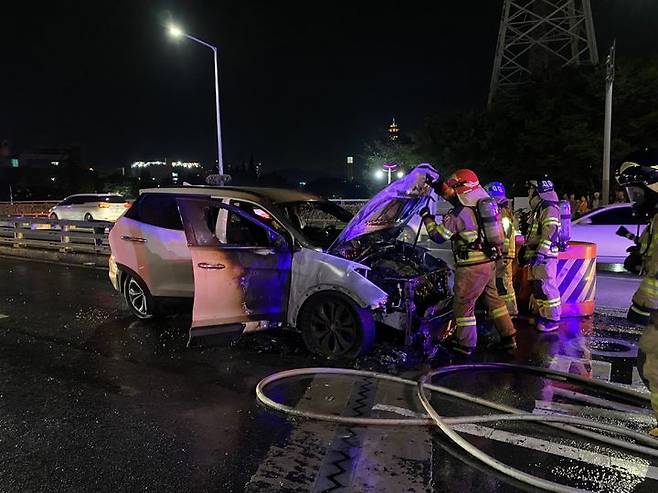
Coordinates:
column 536, row 34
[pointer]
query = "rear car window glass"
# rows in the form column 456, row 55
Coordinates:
column 156, row 209
column 111, row 199
column 618, row 215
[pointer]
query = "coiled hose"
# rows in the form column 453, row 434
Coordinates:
column 563, row 423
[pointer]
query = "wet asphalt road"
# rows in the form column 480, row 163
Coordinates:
column 92, row 400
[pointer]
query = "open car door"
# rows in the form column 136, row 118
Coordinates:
column 241, row 269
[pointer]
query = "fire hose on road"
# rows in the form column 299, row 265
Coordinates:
column 646, row 445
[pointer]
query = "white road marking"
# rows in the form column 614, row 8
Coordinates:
column 598, row 401
column 550, row 407
column 637, row 467
column 601, row 370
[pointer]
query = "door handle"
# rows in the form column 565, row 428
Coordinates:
column 134, row 238
column 206, row 265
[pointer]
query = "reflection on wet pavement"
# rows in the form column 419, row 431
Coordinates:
column 91, row 399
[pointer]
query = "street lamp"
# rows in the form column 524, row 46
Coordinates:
column 389, row 168
column 177, row 32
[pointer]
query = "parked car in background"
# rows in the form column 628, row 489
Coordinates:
column 599, row 226
column 90, row 207
column 258, row 258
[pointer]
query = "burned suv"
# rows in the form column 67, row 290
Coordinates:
column 258, row 258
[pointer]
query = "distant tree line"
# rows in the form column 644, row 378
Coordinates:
column 555, row 126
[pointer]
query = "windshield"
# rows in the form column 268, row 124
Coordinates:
column 319, row 221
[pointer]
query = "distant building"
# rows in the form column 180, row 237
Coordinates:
column 393, row 131
column 46, row 158
column 350, row 168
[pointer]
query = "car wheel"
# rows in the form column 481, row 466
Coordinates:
column 140, row 302
column 53, row 217
column 88, row 217
column 335, row 327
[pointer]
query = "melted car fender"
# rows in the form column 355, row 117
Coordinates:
column 314, row 271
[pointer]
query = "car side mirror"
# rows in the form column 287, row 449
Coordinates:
column 278, row 241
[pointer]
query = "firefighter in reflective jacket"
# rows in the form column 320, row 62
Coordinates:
column 540, row 253
column 475, row 269
column 641, row 182
column 643, row 258
column 505, row 264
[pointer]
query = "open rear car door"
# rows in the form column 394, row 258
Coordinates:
column 241, row 269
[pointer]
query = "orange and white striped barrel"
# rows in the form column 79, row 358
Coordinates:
column 576, row 279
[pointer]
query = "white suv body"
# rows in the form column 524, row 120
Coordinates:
column 255, row 258
column 90, row 207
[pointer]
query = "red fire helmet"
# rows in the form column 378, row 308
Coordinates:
column 463, row 181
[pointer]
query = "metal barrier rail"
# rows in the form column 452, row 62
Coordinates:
column 63, row 235
column 33, row 208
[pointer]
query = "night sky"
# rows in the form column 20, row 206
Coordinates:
column 302, row 85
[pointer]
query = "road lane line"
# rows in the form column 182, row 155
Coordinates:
column 636, row 466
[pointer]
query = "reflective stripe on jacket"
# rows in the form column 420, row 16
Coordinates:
column 648, row 248
column 544, row 230
column 460, row 226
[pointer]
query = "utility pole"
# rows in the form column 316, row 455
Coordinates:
column 607, row 123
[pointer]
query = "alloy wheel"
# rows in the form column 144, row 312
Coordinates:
column 334, row 327
column 137, row 298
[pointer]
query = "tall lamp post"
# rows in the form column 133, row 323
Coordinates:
column 607, row 123
column 177, row 32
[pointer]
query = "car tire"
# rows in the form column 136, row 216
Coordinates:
column 88, row 217
column 53, row 217
column 139, row 299
column 335, row 327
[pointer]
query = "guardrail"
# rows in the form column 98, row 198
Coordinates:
column 63, row 236
column 36, row 208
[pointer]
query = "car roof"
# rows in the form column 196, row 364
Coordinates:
column 93, row 194
column 275, row 195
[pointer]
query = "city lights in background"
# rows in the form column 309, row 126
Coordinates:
column 146, row 164
column 183, row 164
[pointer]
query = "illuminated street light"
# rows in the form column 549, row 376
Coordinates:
column 379, row 174
column 177, row 32
column 400, row 174
column 389, row 168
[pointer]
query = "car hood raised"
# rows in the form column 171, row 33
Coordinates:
column 392, row 208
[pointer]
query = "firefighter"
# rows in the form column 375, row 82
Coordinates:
column 641, row 182
column 475, row 268
column 540, row 253
column 644, row 194
column 505, row 264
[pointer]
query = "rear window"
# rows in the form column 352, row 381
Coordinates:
column 111, row 199
column 156, row 209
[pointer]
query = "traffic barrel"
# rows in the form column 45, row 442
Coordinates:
column 576, row 280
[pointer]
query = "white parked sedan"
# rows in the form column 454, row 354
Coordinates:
column 600, row 225
column 90, row 207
